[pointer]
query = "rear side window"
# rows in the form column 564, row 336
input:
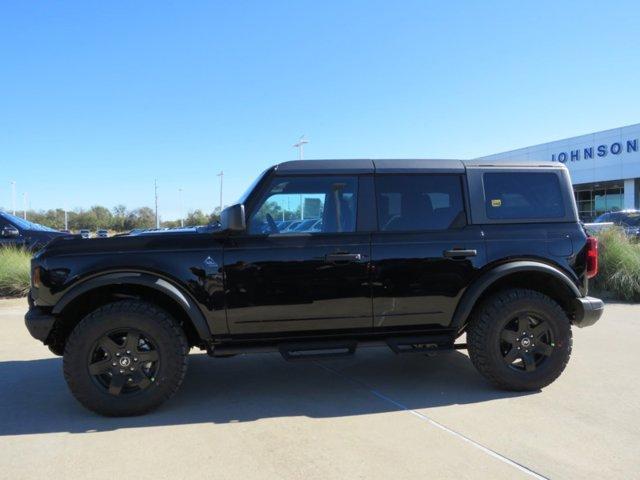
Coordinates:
column 419, row 202
column 526, row 195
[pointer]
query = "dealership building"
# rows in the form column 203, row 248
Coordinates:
column 604, row 167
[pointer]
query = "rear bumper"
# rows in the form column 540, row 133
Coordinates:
column 39, row 322
column 589, row 311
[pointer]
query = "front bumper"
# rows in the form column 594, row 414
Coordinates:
column 589, row 311
column 39, row 322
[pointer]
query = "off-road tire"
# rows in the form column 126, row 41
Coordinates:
column 484, row 336
column 171, row 345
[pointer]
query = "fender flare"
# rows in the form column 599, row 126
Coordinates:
column 144, row 279
column 473, row 293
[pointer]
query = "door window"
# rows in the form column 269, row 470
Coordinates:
column 419, row 202
column 295, row 205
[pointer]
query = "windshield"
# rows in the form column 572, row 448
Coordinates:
column 23, row 224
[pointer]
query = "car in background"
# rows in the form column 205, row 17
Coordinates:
column 628, row 220
column 102, row 233
column 84, row 233
column 18, row 232
column 306, row 225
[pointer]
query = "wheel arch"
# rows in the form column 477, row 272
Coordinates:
column 528, row 274
column 96, row 291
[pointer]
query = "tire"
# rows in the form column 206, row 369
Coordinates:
column 125, row 358
column 520, row 340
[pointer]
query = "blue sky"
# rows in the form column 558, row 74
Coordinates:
column 99, row 98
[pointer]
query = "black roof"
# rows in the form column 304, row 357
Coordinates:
column 396, row 166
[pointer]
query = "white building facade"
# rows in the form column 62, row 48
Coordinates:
column 604, row 166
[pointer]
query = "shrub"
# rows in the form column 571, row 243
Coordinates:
column 14, row 271
column 619, row 265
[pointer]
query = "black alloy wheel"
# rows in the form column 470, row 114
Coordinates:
column 124, row 362
column 526, row 342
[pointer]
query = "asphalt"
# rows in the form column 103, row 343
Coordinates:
column 376, row 415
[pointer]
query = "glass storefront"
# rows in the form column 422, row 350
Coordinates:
column 597, row 198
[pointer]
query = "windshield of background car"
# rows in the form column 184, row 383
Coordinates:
column 23, row 224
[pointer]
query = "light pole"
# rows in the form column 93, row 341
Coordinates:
column 13, row 197
column 155, row 186
column 25, row 197
column 302, row 141
column 180, row 207
column 221, row 174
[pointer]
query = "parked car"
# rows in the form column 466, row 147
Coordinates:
column 629, row 220
column 84, row 233
column 412, row 255
column 102, row 233
column 18, row 232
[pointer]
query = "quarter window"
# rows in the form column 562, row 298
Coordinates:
column 295, row 205
column 419, row 202
column 526, row 195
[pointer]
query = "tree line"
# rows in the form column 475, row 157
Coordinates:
column 118, row 219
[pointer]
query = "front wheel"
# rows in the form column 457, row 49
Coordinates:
column 520, row 339
column 125, row 358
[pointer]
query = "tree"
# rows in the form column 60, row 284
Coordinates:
column 196, row 217
column 119, row 217
column 142, row 217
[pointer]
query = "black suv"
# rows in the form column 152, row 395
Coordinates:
column 17, row 232
column 410, row 254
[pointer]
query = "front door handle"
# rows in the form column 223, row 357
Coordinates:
column 343, row 257
column 459, row 253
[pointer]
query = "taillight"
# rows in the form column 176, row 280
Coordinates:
column 592, row 257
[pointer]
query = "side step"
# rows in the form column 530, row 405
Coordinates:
column 420, row 344
column 316, row 350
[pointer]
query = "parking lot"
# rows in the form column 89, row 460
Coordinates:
column 376, row 415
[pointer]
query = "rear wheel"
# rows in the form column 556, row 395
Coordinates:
column 125, row 358
column 520, row 339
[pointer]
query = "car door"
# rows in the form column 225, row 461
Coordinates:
column 424, row 253
column 311, row 278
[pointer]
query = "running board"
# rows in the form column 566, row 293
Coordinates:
column 430, row 344
column 316, row 350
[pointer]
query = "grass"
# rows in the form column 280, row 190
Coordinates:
column 619, row 265
column 14, row 272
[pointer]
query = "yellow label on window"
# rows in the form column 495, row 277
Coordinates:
column 496, row 202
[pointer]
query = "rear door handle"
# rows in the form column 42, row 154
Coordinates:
column 343, row 257
column 459, row 253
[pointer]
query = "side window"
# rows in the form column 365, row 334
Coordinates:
column 419, row 202
column 309, row 204
column 526, row 195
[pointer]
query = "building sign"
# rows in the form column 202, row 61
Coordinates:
column 587, row 153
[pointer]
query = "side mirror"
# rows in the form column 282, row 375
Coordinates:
column 232, row 218
column 10, row 232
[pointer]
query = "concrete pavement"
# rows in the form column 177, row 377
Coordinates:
column 376, row 415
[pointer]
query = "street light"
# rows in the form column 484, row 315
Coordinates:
column 180, row 207
column 13, row 197
column 300, row 146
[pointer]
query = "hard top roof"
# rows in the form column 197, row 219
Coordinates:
column 360, row 166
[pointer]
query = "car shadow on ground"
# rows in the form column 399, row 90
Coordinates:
column 34, row 397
